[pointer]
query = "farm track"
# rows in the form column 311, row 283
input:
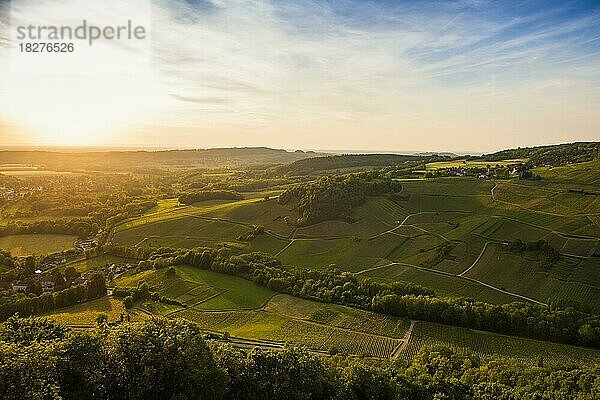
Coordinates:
column 292, row 240
column 405, row 340
column 476, row 260
column 197, row 303
column 403, row 223
column 454, row 276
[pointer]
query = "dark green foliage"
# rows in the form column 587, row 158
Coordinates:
column 334, row 197
column 81, row 227
column 19, row 303
column 540, row 246
column 522, row 319
column 290, row 375
column 28, row 330
column 553, row 155
column 311, row 165
column 203, row 195
column 399, row 299
column 170, row 359
column 160, row 359
column 128, row 302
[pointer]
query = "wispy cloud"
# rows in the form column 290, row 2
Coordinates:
column 369, row 74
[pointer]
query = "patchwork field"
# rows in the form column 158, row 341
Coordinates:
column 447, row 234
column 320, row 327
column 437, row 230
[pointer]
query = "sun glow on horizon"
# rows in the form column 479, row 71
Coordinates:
column 460, row 76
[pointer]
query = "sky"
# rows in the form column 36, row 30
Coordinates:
column 469, row 75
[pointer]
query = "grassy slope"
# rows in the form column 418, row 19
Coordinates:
column 86, row 313
column 435, row 212
column 235, row 292
column 24, row 245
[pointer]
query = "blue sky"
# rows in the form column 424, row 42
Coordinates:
column 468, row 75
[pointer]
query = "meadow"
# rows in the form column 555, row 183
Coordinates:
column 38, row 244
column 86, row 313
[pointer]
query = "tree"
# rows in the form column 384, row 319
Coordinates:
column 128, row 302
column 161, row 359
column 71, row 274
column 101, row 318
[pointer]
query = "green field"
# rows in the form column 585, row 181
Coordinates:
column 202, row 289
column 235, row 293
column 318, row 326
column 447, row 234
column 86, row 313
column 487, row 344
column 431, row 216
column 38, row 244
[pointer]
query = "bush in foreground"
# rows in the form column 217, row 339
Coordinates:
column 170, row 359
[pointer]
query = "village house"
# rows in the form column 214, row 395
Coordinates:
column 19, row 286
column 47, row 283
column 86, row 244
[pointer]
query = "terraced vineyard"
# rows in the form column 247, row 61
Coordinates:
column 450, row 234
column 304, row 323
column 487, row 344
column 347, row 342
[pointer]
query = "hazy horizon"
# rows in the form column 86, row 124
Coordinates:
column 138, row 147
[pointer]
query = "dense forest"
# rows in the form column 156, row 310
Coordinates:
column 171, row 359
column 333, row 197
column 203, row 195
column 552, row 155
column 316, row 164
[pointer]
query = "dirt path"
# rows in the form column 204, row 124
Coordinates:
column 405, row 340
column 476, row 260
column 433, row 271
column 492, row 192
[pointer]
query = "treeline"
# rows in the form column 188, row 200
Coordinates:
column 170, row 359
column 80, row 227
column 398, row 299
column 539, row 246
column 553, row 155
column 203, row 195
column 315, row 164
column 18, row 303
column 333, row 197
column 521, row 319
column 331, row 285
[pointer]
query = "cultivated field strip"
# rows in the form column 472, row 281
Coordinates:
column 486, row 344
